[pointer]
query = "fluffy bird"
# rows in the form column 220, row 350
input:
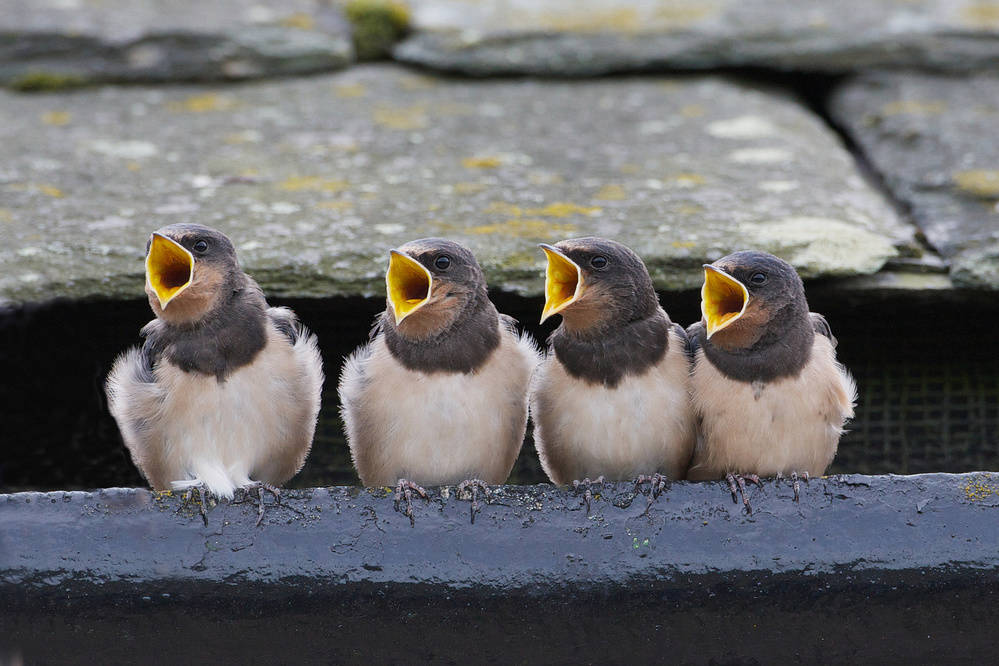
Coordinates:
column 225, row 391
column 771, row 398
column 439, row 395
column 612, row 397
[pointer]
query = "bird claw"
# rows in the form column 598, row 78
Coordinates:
column 586, row 485
column 657, row 485
column 472, row 486
column 404, row 491
column 737, row 485
column 203, row 496
column 260, row 487
column 795, row 484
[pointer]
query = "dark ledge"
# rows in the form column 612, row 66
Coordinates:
column 865, row 569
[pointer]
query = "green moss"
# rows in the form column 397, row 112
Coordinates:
column 378, row 25
column 36, row 81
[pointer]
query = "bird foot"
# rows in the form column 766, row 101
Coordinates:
column 737, row 484
column 472, row 486
column 204, row 495
column 586, row 486
column 404, row 491
column 260, row 487
column 657, row 485
column 794, row 483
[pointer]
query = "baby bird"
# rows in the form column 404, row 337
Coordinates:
column 439, row 395
column 769, row 393
column 612, row 397
column 224, row 393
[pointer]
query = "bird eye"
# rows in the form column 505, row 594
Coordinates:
column 201, row 246
column 598, row 261
column 443, row 262
column 758, row 278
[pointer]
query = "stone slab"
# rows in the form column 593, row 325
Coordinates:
column 933, row 140
column 62, row 43
column 861, row 571
column 316, row 179
column 587, row 37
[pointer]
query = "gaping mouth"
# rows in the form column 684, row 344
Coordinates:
column 563, row 282
column 723, row 299
column 169, row 268
column 408, row 283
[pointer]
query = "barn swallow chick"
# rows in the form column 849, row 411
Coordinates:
column 771, row 397
column 612, row 397
column 439, row 395
column 224, row 393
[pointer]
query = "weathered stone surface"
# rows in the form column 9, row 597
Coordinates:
column 60, row 43
column 933, row 139
column 316, row 179
column 592, row 36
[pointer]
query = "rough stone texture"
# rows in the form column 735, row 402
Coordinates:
column 593, row 36
column 861, row 571
column 315, row 179
column 934, row 141
column 60, row 43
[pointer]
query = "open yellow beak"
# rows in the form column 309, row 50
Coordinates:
column 408, row 283
column 723, row 299
column 169, row 268
column 563, row 282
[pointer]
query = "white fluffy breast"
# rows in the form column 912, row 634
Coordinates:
column 438, row 428
column 641, row 426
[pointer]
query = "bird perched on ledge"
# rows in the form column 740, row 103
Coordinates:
column 769, row 393
column 439, row 395
column 224, row 393
column 612, row 397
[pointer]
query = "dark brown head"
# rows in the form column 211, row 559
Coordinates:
column 596, row 284
column 612, row 325
column 190, row 270
column 439, row 317
column 755, row 316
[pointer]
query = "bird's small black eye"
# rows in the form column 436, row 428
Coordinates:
column 201, row 246
column 758, row 278
column 598, row 261
column 443, row 262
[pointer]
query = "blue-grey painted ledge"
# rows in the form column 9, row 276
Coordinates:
column 866, row 569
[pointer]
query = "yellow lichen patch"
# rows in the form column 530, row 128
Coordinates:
column 625, row 19
column 544, row 178
column 689, row 209
column 916, row 107
column 688, row 180
column 526, row 228
column 561, row 209
column 50, row 191
column 629, row 168
column 981, row 488
column 335, row 205
column 349, row 90
column 468, row 188
column 408, row 118
column 6, row 215
column 58, row 118
column 482, row 162
column 610, row 193
column 298, row 20
column 683, row 14
column 983, row 183
column 203, row 103
column 133, row 166
column 692, row 111
column 981, row 14
column 683, row 244
column 503, row 208
column 312, row 184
